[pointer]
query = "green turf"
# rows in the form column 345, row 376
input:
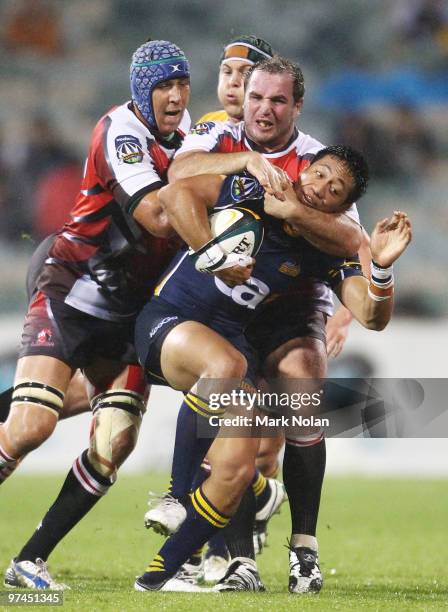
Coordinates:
column 383, row 546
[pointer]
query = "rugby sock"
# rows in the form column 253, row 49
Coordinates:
column 202, row 521
column 303, row 474
column 217, row 546
column 82, row 488
column 194, row 436
column 238, row 534
column 307, row 541
column 196, row 557
column 261, row 489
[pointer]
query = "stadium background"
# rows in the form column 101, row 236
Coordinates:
column 376, row 77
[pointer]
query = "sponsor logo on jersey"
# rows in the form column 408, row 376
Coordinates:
column 43, row 338
column 290, row 268
column 245, row 188
column 129, row 149
column 160, row 324
column 202, row 128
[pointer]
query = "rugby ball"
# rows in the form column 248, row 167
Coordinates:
column 237, row 230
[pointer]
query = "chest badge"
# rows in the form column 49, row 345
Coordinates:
column 290, row 268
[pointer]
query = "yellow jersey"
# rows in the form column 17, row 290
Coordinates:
column 220, row 115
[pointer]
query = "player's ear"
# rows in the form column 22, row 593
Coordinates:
column 299, row 106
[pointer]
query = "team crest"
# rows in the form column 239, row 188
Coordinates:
column 245, row 188
column 44, row 337
column 290, row 268
column 202, row 128
column 129, row 149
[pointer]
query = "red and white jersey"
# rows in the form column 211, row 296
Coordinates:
column 103, row 262
column 298, row 153
column 227, row 137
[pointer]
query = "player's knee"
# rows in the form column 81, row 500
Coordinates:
column 35, row 408
column 25, row 435
column 230, row 365
column 236, row 475
column 289, row 366
column 117, row 420
column 123, row 444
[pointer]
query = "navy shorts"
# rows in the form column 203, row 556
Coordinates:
column 155, row 322
column 281, row 321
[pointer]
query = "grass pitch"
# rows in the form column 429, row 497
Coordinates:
column 383, row 546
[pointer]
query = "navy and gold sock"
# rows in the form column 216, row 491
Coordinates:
column 261, row 489
column 194, row 436
column 202, row 522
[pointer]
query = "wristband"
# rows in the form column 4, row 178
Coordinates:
column 208, row 258
column 381, row 277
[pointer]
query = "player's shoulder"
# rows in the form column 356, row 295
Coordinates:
column 219, row 115
column 307, row 145
column 121, row 120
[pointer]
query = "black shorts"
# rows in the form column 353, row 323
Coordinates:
column 36, row 264
column 57, row 330
column 281, row 321
column 155, row 322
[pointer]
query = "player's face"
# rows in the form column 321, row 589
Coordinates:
column 231, row 87
column 325, row 185
column 169, row 101
column 270, row 110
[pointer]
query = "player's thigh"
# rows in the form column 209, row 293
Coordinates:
column 192, row 351
column 303, row 357
column 76, row 399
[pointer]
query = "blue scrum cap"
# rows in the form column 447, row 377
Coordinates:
column 155, row 61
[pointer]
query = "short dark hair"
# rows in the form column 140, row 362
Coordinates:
column 355, row 164
column 282, row 65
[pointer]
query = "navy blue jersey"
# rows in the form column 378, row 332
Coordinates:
column 285, row 265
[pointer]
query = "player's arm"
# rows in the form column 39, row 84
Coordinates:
column 371, row 303
column 186, row 203
column 195, row 163
column 152, row 216
column 332, row 233
column 338, row 325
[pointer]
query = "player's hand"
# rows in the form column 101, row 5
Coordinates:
column 235, row 275
column 390, row 238
column 282, row 209
column 337, row 333
column 274, row 180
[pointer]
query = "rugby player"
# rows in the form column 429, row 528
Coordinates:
column 236, row 60
column 100, row 269
column 193, row 329
column 296, row 349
